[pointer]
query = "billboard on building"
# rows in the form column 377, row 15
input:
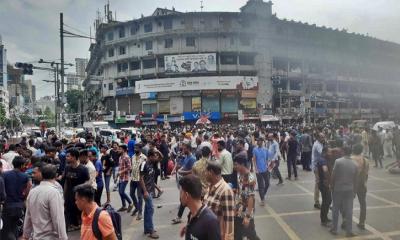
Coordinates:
column 197, row 83
column 190, row 63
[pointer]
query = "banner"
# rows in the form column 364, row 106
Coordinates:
column 196, row 104
column 248, row 104
column 190, row 63
column 192, row 116
column 197, row 83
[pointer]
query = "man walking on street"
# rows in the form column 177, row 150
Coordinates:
column 225, row 160
column 292, row 156
column 306, row 147
column 260, row 163
column 361, row 189
column 273, row 155
column 135, row 190
column 316, row 158
column 125, row 167
column 344, row 181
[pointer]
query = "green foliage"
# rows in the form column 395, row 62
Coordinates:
column 3, row 118
column 73, row 99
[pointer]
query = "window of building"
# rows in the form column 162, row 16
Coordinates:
column 148, row 27
column 167, row 24
column 246, row 60
column 295, row 85
column 110, row 36
column 232, row 40
column 122, row 67
column 161, row 62
column 111, row 52
column 245, row 41
column 122, row 50
column 131, row 82
column 149, row 45
column 110, row 86
column 331, row 87
column 150, row 108
column 228, row 59
column 134, row 65
column 134, row 29
column 105, row 85
column 168, row 43
column 121, row 32
column 190, row 42
column 149, row 63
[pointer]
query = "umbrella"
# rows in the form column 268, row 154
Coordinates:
column 384, row 125
column 203, row 121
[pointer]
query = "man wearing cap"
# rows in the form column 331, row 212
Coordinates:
column 260, row 163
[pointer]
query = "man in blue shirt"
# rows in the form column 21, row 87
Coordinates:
column 260, row 163
column 131, row 145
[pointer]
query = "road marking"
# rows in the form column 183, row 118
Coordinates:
column 288, row 230
column 385, row 180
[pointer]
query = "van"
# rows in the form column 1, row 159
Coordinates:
column 108, row 135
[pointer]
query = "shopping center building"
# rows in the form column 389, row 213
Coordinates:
column 175, row 66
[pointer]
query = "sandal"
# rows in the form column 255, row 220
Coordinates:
column 176, row 220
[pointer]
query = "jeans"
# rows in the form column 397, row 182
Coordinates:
column 306, row 160
column 11, row 217
column 326, row 202
column 107, row 180
column 97, row 197
column 362, row 195
column 316, row 188
column 241, row 231
column 148, row 215
column 291, row 163
column 136, row 195
column 263, row 183
column 342, row 201
column 164, row 167
column 277, row 172
column 122, row 193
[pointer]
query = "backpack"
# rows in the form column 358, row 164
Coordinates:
column 115, row 218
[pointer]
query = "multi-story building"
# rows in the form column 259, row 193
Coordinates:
column 73, row 81
column 4, row 98
column 235, row 65
column 15, row 83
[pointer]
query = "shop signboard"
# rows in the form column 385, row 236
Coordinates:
column 192, row 116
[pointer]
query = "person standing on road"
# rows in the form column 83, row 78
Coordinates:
column 344, row 183
column 273, row 155
column 226, row 162
column 44, row 217
column 135, row 190
column 245, row 202
column 107, row 170
column 260, row 163
column 115, row 154
column 202, row 223
column 199, row 169
column 306, row 145
column 220, row 199
column 99, row 175
column 125, row 167
column 361, row 189
column 292, row 155
column 164, row 149
column 147, row 184
column 324, row 177
column 316, row 157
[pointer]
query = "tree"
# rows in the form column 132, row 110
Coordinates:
column 3, row 117
column 74, row 99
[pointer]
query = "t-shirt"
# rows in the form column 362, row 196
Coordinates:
column 261, row 155
column 188, row 162
column 107, row 164
column 203, row 226
column 99, row 177
column 115, row 157
column 105, row 225
column 15, row 183
column 74, row 177
column 131, row 147
column 148, row 173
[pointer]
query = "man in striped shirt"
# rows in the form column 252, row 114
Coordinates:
column 220, row 199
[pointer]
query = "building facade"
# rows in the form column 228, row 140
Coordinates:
column 4, row 97
column 174, row 66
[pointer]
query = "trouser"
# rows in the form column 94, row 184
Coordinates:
column 316, row 188
column 72, row 213
column 181, row 210
column 326, row 202
column 306, row 160
column 377, row 158
column 242, row 231
column 122, row 193
column 97, row 197
column 227, row 178
column 148, row 215
column 343, row 201
column 362, row 195
column 11, row 219
column 136, row 195
column 263, row 184
column 388, row 148
column 164, row 168
column 291, row 163
column 114, row 175
column 107, row 179
column 234, row 179
column 277, row 172
column 365, row 149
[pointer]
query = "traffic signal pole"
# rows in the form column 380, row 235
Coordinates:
column 62, row 68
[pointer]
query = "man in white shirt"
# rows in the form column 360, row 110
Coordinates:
column 84, row 159
column 226, row 162
column 206, row 142
column 11, row 154
column 44, row 218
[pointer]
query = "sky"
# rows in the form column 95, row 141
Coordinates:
column 29, row 28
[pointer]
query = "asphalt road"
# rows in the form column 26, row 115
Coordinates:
column 289, row 213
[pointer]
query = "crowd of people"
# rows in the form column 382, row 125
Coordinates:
column 52, row 185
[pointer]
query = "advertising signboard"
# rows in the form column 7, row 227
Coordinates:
column 190, row 63
column 197, row 83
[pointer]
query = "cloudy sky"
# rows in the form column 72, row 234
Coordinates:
column 29, row 28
